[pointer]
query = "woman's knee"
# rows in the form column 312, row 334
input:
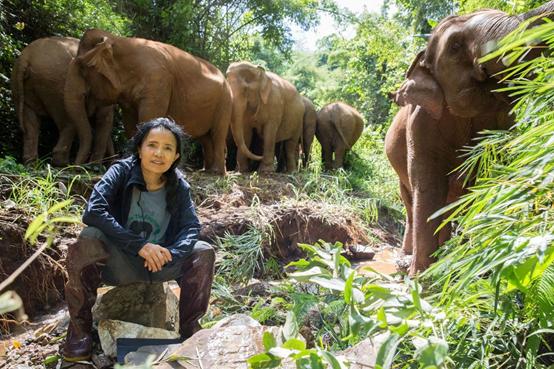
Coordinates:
column 204, row 250
column 93, row 232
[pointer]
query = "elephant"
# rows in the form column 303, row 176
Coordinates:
column 150, row 79
column 268, row 105
column 447, row 98
column 38, row 80
column 309, row 122
column 338, row 128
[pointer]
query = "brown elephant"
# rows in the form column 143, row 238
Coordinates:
column 269, row 105
column 309, row 124
column 38, row 80
column 338, row 128
column 150, row 79
column 447, row 100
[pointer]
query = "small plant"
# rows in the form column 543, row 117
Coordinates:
column 8, row 164
column 242, row 255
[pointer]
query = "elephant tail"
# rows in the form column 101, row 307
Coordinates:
column 335, row 119
column 18, row 93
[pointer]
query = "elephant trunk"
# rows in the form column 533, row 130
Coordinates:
column 75, row 105
column 237, row 128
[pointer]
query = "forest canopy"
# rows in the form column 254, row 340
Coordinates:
column 360, row 71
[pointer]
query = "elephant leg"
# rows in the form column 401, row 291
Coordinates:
column 242, row 160
column 66, row 135
column 281, row 156
column 60, row 153
column 219, row 132
column 218, row 139
column 291, row 151
column 103, row 131
column 30, row 126
column 408, row 231
column 455, row 190
column 130, row 121
column 428, row 177
column 340, row 152
column 327, row 156
column 207, row 151
column 269, row 134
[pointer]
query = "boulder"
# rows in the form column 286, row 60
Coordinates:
column 151, row 305
column 226, row 345
column 110, row 330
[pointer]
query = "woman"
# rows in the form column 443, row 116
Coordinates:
column 142, row 227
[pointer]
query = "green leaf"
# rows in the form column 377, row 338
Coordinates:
column 432, row 353
column 333, row 360
column 330, row 283
column 290, row 328
column 51, row 359
column 386, row 352
column 294, row 344
column 382, row 317
column 269, row 340
column 348, row 288
column 304, row 276
column 263, row 361
column 10, row 301
column 281, row 352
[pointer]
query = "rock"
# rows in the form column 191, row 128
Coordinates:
column 226, row 345
column 151, row 305
column 237, row 319
column 102, row 361
column 361, row 252
column 363, row 354
column 110, row 330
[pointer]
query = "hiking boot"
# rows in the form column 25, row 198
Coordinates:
column 196, row 285
column 80, row 295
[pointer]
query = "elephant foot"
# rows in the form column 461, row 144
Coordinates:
column 216, row 170
column 60, row 163
column 418, row 266
column 266, row 169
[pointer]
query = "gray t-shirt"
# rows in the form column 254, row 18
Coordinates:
column 148, row 215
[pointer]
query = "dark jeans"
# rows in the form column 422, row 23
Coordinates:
column 123, row 268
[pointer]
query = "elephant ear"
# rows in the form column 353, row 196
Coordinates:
column 265, row 85
column 420, row 88
column 100, row 58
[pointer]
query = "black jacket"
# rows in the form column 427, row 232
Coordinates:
column 110, row 201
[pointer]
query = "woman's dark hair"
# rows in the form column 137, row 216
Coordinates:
column 171, row 174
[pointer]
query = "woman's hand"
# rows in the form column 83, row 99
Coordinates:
column 155, row 256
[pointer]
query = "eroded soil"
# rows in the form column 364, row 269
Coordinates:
column 229, row 205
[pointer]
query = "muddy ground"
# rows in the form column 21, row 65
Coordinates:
column 230, row 205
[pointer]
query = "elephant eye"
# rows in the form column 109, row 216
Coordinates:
column 455, row 46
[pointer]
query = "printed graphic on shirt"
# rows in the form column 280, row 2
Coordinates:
column 148, row 215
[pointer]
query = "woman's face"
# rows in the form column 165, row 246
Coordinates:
column 158, row 151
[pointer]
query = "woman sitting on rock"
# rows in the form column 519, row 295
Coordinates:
column 142, row 227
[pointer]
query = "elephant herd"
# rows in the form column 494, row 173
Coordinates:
column 446, row 100
column 77, row 83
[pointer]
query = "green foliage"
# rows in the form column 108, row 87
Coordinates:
column 241, row 255
column 223, row 31
column 8, row 164
column 38, row 192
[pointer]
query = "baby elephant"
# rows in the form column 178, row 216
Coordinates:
column 338, row 128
